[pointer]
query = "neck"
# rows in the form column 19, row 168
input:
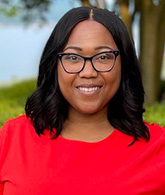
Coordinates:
column 87, row 127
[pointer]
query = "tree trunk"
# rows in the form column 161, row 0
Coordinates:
column 96, row 3
column 86, row 3
column 126, row 16
column 152, row 31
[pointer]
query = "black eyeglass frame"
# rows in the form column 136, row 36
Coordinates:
column 90, row 58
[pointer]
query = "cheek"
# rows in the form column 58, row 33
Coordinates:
column 115, row 76
column 118, row 72
column 118, row 78
column 61, row 78
column 65, row 81
column 113, row 82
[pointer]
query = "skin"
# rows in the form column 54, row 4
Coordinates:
column 87, row 117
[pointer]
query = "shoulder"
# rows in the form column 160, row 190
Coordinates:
column 20, row 120
column 15, row 128
column 158, row 137
column 9, row 133
column 14, row 134
column 15, row 123
column 156, row 131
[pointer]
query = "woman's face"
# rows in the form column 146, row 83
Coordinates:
column 89, row 91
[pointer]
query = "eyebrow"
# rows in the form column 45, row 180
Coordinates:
column 103, row 47
column 73, row 47
column 80, row 49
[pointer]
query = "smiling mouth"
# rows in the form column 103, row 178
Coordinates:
column 88, row 89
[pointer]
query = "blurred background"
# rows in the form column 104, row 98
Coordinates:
column 25, row 26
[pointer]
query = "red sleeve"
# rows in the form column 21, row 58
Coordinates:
column 4, row 144
column 160, row 159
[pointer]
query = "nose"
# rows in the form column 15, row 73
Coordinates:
column 88, row 71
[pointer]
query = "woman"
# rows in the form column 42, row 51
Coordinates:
column 87, row 111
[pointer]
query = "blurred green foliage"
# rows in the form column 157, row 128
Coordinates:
column 155, row 113
column 28, row 10
column 10, row 11
column 12, row 99
column 12, row 102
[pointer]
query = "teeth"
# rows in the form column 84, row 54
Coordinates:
column 88, row 89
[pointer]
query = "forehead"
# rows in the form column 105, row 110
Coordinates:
column 90, row 34
column 89, row 24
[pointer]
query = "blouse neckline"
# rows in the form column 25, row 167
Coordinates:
column 89, row 143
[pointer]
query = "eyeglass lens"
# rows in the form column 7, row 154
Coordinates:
column 103, row 61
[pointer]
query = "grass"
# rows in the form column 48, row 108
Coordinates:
column 155, row 113
column 12, row 101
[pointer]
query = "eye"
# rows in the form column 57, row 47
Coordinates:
column 71, row 57
column 105, row 57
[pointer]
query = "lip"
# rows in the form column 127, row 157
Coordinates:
column 88, row 89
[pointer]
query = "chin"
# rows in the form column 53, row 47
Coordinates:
column 88, row 111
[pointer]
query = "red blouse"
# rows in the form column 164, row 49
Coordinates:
column 33, row 165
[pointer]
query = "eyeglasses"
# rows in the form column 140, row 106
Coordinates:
column 101, row 62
